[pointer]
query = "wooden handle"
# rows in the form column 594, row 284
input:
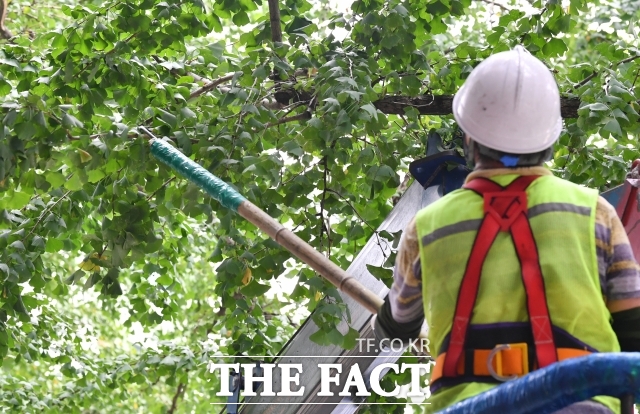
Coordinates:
column 325, row 267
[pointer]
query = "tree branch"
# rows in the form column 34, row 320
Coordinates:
column 611, row 66
column 300, row 117
column 352, row 207
column 4, row 32
column 175, row 72
column 166, row 183
column 325, row 164
column 584, row 81
column 274, row 17
column 174, row 402
column 210, row 86
column 425, row 104
column 627, row 60
column 441, row 105
column 45, row 211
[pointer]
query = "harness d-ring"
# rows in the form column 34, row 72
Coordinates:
column 492, row 371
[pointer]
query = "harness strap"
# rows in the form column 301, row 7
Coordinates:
column 505, row 210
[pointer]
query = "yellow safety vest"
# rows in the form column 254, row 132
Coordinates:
column 561, row 216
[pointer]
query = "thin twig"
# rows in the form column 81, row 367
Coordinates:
column 174, row 401
column 46, row 210
column 300, row 117
column 304, row 171
column 166, row 183
column 627, row 60
column 366, row 142
column 293, row 106
column 175, row 72
column 595, row 73
column 352, row 207
column 325, row 164
column 210, row 86
column 585, row 81
column 291, row 322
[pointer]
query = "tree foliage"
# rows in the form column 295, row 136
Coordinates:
column 120, row 281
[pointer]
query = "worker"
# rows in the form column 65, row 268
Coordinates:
column 518, row 269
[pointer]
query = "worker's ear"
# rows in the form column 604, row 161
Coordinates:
column 469, row 151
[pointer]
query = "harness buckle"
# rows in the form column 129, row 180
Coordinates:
column 503, row 365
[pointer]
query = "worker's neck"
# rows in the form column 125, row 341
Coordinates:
column 487, row 164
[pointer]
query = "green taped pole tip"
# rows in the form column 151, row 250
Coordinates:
column 195, row 173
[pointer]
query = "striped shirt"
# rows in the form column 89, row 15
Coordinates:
column 617, row 266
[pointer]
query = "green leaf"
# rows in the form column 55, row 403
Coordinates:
column 54, row 245
column 390, row 41
column 255, row 289
column 293, row 148
column 350, row 339
column 169, row 118
column 614, row 127
column 598, row 107
column 241, row 18
column 75, row 277
column 73, row 184
column 5, row 87
column 55, row 178
column 371, row 110
column 94, row 176
column 91, row 280
column 320, row 338
column 70, row 121
column 18, row 245
column 554, row 47
column 494, row 37
column 165, row 280
column 380, row 272
column 26, row 130
column 18, row 200
column 38, row 242
column 187, row 113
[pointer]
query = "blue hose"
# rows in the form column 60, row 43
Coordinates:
column 559, row 385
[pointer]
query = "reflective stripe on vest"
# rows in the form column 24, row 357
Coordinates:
column 562, row 216
column 505, row 210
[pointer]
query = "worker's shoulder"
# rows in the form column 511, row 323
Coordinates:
column 558, row 185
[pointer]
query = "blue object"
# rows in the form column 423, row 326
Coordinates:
column 614, row 195
column 559, row 385
column 440, row 168
column 235, row 385
column 510, row 160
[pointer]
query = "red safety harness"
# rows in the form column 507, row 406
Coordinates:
column 505, row 210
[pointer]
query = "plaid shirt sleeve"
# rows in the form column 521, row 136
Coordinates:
column 406, row 292
column 617, row 267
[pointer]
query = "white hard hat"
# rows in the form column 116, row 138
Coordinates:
column 510, row 103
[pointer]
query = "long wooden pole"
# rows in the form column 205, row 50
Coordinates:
column 230, row 198
column 303, row 251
